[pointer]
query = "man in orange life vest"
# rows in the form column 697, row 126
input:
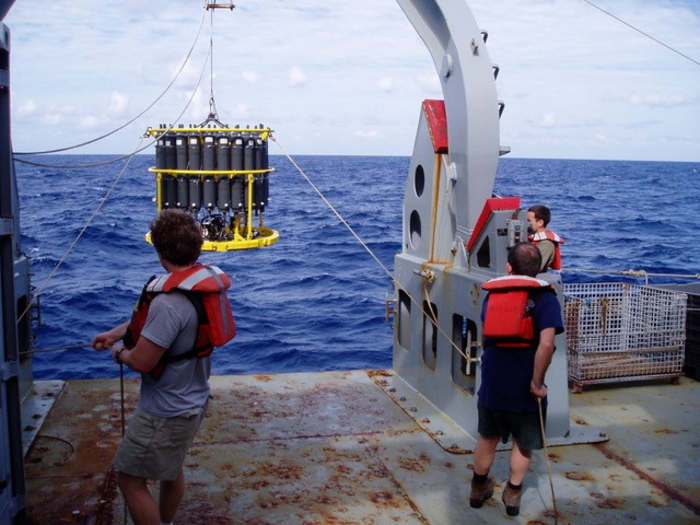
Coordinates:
column 521, row 316
column 547, row 242
column 169, row 341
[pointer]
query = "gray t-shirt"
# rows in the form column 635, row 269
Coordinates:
column 183, row 388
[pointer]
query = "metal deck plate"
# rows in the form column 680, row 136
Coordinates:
column 452, row 437
column 333, row 448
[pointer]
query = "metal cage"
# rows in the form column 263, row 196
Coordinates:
column 623, row 332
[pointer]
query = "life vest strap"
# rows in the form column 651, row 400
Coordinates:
column 205, row 287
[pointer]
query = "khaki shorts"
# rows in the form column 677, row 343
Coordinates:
column 155, row 447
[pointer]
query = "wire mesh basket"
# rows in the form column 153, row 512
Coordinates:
column 623, row 332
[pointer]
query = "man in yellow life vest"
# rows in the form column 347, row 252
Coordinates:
column 547, row 242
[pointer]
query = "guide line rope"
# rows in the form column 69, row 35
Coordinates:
column 99, row 206
column 430, row 315
column 635, row 273
column 104, row 199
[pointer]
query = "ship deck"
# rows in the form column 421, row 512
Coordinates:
column 337, row 448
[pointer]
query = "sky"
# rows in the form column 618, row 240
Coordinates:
column 338, row 77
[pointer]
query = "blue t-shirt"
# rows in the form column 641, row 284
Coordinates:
column 506, row 373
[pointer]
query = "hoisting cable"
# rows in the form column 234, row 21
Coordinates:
column 177, row 75
column 128, row 155
column 372, row 254
column 90, row 165
column 104, row 199
column 212, row 105
column 213, row 114
column 647, row 35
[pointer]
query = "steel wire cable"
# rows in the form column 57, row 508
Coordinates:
column 647, row 35
column 150, row 106
column 106, row 196
column 429, row 314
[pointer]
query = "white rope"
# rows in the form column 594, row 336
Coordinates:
column 430, row 315
column 131, row 121
column 104, row 199
column 635, row 273
column 546, row 460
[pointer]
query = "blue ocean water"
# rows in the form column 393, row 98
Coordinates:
column 315, row 301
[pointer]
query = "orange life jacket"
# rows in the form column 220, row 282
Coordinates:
column 556, row 240
column 205, row 287
column 508, row 320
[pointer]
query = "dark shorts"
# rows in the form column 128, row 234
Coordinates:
column 525, row 427
column 155, row 447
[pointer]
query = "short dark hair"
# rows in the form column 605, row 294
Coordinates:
column 525, row 259
column 541, row 213
column 177, row 237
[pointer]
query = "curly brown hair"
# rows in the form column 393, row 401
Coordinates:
column 177, row 237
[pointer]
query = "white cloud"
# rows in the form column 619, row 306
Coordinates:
column 118, row 105
column 52, row 116
column 241, row 111
column 583, row 66
column 429, row 82
column 251, row 77
column 27, row 109
column 297, row 77
column 367, row 134
column 90, row 122
column 386, row 84
column 547, row 121
column 657, row 100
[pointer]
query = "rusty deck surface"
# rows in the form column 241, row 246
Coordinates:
column 335, row 448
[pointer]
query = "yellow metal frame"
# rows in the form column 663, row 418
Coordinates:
column 265, row 237
column 251, row 236
column 263, row 133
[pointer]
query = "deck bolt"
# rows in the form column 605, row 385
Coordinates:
column 413, row 409
column 402, row 398
column 392, row 389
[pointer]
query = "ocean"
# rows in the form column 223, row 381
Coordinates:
column 315, row 301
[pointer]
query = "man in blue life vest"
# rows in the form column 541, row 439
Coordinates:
column 547, row 242
column 166, row 341
column 521, row 316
